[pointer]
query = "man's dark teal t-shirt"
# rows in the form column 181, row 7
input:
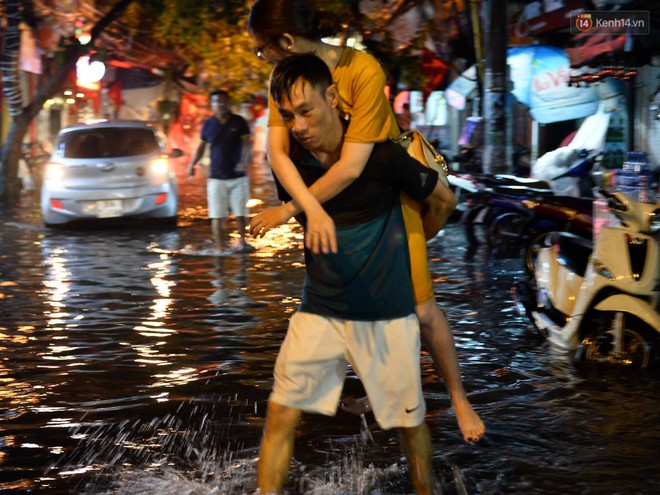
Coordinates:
column 369, row 277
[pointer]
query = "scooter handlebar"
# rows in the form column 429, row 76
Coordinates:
column 582, row 168
column 613, row 201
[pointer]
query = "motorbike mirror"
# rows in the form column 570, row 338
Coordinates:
column 615, row 204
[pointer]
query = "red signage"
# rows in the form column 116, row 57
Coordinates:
column 551, row 20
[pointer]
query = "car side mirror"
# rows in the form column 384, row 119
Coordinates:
column 176, row 153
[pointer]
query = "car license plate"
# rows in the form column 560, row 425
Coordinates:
column 108, row 208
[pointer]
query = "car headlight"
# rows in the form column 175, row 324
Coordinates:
column 54, row 171
column 159, row 166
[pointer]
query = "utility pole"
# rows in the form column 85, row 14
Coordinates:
column 475, row 8
column 497, row 101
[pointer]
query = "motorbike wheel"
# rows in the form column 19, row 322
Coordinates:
column 638, row 349
column 475, row 221
column 539, row 241
column 505, row 229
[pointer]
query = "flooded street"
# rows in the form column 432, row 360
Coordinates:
column 127, row 368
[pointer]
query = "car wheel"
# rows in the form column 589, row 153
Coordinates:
column 167, row 221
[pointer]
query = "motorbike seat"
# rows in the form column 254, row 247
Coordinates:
column 582, row 205
column 519, row 191
column 523, row 181
column 574, row 252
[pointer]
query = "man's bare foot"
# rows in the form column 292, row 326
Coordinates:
column 469, row 422
column 355, row 406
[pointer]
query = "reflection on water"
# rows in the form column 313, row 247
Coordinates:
column 130, row 370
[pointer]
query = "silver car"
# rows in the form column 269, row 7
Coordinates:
column 106, row 170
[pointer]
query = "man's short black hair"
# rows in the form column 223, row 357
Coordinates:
column 219, row 92
column 308, row 67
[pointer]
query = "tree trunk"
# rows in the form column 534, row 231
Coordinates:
column 23, row 115
column 11, row 150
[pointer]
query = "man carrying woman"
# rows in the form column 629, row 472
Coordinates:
column 285, row 27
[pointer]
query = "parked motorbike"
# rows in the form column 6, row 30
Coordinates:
column 552, row 214
column 527, row 214
column 601, row 299
column 549, row 216
column 463, row 186
column 497, row 195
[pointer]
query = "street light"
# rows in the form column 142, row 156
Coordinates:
column 88, row 74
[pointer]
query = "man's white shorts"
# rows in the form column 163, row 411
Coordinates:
column 230, row 193
column 312, row 363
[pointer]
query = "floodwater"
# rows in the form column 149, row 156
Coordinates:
column 127, row 368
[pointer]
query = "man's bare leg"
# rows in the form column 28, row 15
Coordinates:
column 241, row 223
column 276, row 448
column 243, row 246
column 219, row 233
column 416, row 444
column 439, row 341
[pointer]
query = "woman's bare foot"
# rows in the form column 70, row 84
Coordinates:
column 355, row 406
column 469, row 422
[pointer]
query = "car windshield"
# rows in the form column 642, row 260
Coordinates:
column 108, row 143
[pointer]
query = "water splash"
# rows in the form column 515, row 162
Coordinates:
column 234, row 473
column 364, row 430
column 184, row 453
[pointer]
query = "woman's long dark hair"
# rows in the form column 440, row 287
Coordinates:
column 270, row 19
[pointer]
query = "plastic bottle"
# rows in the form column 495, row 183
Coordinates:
column 623, row 179
column 635, row 176
column 644, row 179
